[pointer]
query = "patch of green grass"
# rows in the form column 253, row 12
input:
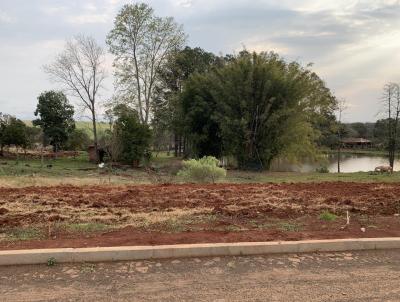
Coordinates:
column 237, row 176
column 327, row 216
column 23, row 234
column 65, row 167
column 80, row 171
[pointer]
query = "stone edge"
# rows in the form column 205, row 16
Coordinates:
column 132, row 253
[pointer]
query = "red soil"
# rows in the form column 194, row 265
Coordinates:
column 231, row 203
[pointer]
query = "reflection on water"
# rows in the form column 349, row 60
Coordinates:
column 349, row 163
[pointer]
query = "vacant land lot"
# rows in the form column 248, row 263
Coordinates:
column 161, row 214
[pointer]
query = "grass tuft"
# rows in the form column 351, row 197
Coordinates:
column 327, row 216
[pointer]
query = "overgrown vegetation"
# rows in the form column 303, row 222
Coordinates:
column 204, row 169
column 255, row 107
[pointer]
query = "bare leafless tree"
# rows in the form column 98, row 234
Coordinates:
column 80, row 70
column 341, row 108
column 391, row 104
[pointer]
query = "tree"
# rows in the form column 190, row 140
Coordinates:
column 391, row 103
column 361, row 129
column 80, row 69
column 34, row 135
column 341, row 107
column 132, row 137
column 381, row 132
column 168, row 115
column 56, row 118
column 78, row 140
column 4, row 121
column 141, row 43
column 13, row 132
column 255, row 107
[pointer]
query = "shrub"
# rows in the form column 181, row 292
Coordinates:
column 202, row 170
column 327, row 216
column 132, row 136
column 322, row 169
column 51, row 261
column 78, row 140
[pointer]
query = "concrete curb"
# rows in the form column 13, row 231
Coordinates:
column 131, row 253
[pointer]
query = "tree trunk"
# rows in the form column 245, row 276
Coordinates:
column 392, row 150
column 184, row 147
column 176, row 145
column 96, row 147
column 180, row 145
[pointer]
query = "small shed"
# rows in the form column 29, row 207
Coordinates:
column 356, row 143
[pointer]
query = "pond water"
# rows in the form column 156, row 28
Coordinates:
column 349, row 163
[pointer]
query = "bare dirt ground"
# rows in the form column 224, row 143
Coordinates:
column 190, row 213
column 350, row 276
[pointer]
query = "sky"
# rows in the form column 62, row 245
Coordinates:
column 354, row 46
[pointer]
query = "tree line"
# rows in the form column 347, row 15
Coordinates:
column 252, row 107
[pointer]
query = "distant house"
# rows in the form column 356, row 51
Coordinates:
column 356, row 143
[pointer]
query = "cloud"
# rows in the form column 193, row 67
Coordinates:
column 88, row 19
column 5, row 18
column 185, row 3
column 352, row 43
column 53, row 10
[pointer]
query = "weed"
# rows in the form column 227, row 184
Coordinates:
column 51, row 261
column 327, row 216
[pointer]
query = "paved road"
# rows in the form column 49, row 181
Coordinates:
column 361, row 276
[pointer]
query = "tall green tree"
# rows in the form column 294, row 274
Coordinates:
column 13, row 132
column 168, row 114
column 131, row 135
column 141, row 43
column 55, row 118
column 256, row 107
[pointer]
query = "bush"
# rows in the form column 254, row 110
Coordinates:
column 322, row 169
column 133, row 137
column 78, row 140
column 327, row 216
column 202, row 170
